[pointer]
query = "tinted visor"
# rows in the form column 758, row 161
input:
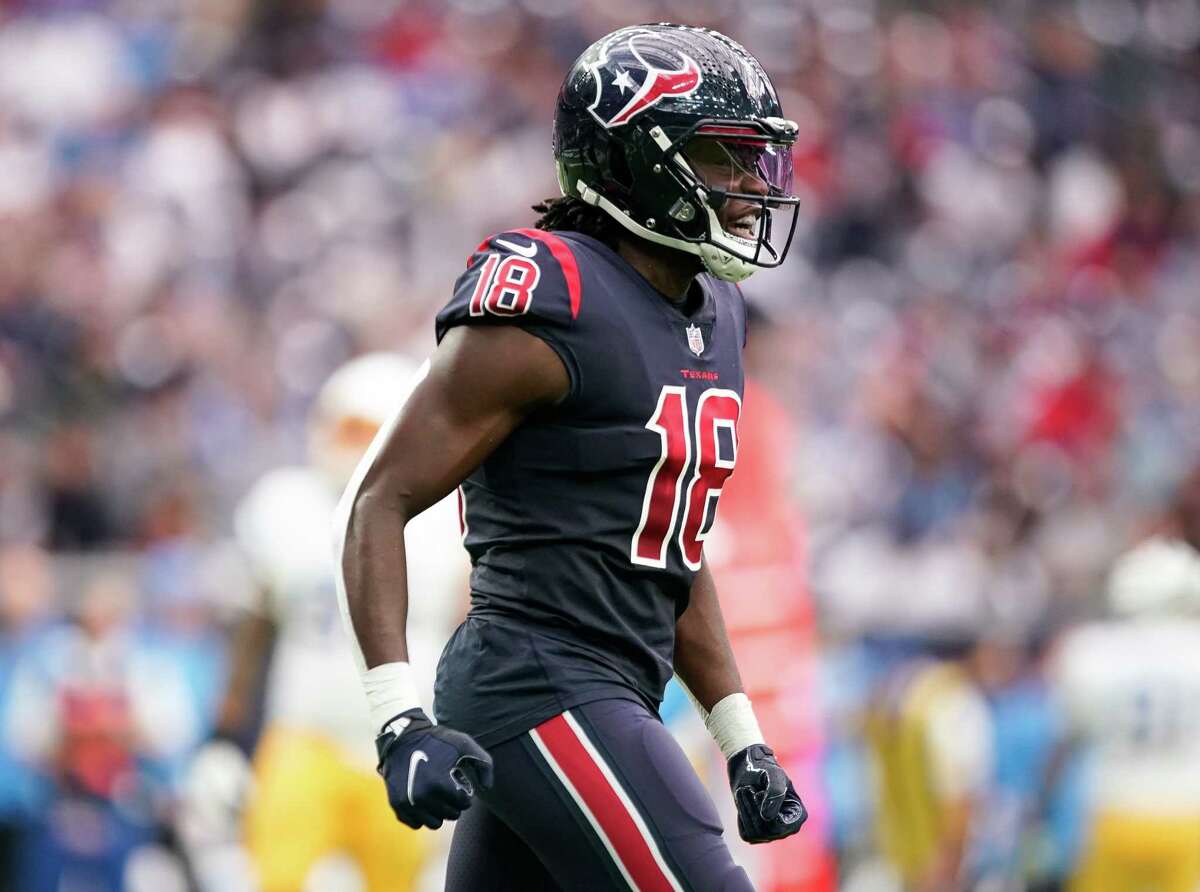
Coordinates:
column 733, row 155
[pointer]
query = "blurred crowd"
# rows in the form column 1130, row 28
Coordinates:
column 987, row 336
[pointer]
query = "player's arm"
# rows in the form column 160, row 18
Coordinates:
column 703, row 657
column 218, row 777
column 482, row 382
column 250, row 649
column 767, row 804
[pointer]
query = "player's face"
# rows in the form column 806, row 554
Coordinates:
column 736, row 168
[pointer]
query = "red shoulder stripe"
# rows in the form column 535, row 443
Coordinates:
column 561, row 252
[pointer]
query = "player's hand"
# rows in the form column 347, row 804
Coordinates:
column 214, row 792
column 431, row 772
column 767, row 805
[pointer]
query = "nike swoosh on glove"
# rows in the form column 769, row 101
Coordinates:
column 431, row 771
column 767, row 804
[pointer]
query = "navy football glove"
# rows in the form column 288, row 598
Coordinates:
column 767, row 805
column 431, row 772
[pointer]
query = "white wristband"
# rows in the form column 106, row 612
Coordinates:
column 390, row 690
column 732, row 724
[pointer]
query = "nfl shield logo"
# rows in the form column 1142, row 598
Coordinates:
column 695, row 339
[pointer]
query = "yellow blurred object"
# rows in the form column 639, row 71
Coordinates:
column 922, row 783
column 311, row 803
column 1132, row 853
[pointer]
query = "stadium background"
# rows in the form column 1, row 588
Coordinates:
column 982, row 360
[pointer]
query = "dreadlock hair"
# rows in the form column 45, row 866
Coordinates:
column 572, row 214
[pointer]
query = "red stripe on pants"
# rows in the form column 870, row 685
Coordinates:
column 606, row 806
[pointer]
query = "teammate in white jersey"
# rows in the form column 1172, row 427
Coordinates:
column 316, row 802
column 1131, row 689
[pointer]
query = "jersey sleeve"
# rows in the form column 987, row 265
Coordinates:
column 524, row 277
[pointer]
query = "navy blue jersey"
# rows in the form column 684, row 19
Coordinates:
column 585, row 526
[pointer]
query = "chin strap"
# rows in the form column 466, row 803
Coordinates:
column 720, row 263
column 725, row 266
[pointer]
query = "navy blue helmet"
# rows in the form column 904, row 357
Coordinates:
column 642, row 100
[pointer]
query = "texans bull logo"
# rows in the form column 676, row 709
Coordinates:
column 620, row 61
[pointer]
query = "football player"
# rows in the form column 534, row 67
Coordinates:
column 930, row 739
column 585, row 397
column 313, row 765
column 1130, row 686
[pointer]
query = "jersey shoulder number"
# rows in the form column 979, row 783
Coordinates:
column 520, row 276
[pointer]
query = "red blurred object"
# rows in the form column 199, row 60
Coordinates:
column 1081, row 414
column 407, row 38
column 759, row 570
column 95, row 745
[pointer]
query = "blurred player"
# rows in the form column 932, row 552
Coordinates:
column 101, row 716
column 1131, row 689
column 930, row 738
column 315, row 794
column 585, row 394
